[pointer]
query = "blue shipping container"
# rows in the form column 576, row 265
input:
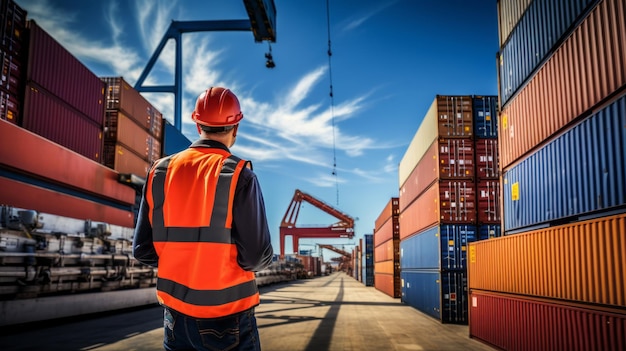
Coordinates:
column 489, row 231
column 485, row 112
column 367, row 272
column 537, row 34
column 442, row 295
column 439, row 247
column 581, row 172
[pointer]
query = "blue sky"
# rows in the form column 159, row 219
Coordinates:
column 390, row 59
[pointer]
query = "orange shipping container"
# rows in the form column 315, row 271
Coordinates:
column 388, row 284
column 391, row 209
column 423, row 175
column 389, row 250
column 389, row 230
column 121, row 129
column 123, row 160
column 586, row 69
column 582, row 261
column 387, row 267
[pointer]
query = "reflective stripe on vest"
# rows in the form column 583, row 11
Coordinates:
column 210, row 246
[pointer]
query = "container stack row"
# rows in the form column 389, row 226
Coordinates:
column 12, row 54
column 387, row 249
column 563, row 164
column 133, row 135
column 367, row 260
column 449, row 197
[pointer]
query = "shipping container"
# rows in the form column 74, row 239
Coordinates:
column 121, row 129
column 425, row 173
column 487, row 160
column 173, row 140
column 53, row 68
column 390, row 210
column 456, row 159
column 20, row 194
column 442, row 247
column 442, row 295
column 367, row 260
column 580, row 172
column 13, row 23
column 585, row 70
column 122, row 160
column 448, row 117
column 53, row 119
column 388, row 250
column 57, row 164
column 509, row 13
column 520, row 323
column 543, row 27
column 488, row 201
column 489, row 231
column 9, row 107
column 485, row 110
column 582, row 261
column 122, row 96
column 388, row 284
column 389, row 230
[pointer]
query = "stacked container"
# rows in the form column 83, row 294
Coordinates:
column 563, row 161
column 64, row 100
column 387, row 250
column 367, row 260
column 13, row 59
column 133, row 129
column 438, row 202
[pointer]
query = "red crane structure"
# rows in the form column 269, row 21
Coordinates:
column 342, row 229
column 345, row 262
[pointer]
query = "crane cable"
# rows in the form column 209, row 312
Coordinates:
column 332, row 100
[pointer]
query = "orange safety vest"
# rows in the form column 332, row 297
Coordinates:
column 191, row 196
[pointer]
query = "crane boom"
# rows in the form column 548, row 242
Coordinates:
column 344, row 228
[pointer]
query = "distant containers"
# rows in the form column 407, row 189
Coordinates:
column 582, row 261
column 580, row 172
column 525, row 50
column 12, row 59
column 440, row 294
column 134, row 129
column 64, row 100
column 386, row 250
column 367, row 260
column 564, row 88
column 521, row 323
column 485, row 111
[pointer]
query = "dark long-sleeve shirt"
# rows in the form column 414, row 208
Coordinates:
column 250, row 231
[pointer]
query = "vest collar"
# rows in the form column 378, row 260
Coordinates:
column 210, row 144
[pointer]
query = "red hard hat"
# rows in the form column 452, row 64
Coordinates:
column 217, row 107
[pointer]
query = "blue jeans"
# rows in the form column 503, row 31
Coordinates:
column 236, row 332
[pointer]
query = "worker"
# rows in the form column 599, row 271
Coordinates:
column 202, row 222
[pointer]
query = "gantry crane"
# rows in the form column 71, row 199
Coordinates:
column 345, row 261
column 342, row 229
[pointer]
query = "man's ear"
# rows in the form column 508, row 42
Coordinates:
column 198, row 128
column 235, row 130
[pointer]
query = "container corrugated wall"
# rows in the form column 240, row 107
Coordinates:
column 56, row 70
column 424, row 137
column 538, row 31
column 390, row 210
column 487, row 159
column 582, row 261
column 386, row 250
column 519, row 323
column 442, row 247
column 46, row 115
column 422, row 176
column 583, row 170
column 587, row 68
column 509, row 13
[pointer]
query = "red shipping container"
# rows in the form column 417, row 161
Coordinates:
column 458, row 202
column 586, row 69
column 455, row 116
column 31, row 197
column 487, row 162
column 516, row 322
column 456, row 159
column 123, row 160
column 13, row 27
column 59, row 164
column 488, row 198
column 53, row 119
column 389, row 230
column 121, row 129
column 423, row 175
column 9, row 107
column 390, row 210
column 388, row 283
column 56, row 70
column 421, row 213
